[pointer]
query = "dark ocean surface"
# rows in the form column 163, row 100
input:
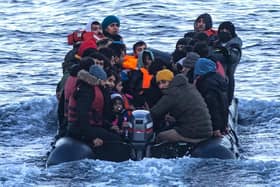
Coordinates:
column 33, row 45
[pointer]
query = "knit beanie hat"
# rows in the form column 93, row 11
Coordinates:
column 190, row 59
column 109, row 20
column 203, row 66
column 164, row 74
column 115, row 96
column 98, row 72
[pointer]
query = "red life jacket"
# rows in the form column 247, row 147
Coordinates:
column 95, row 113
column 79, row 36
column 69, row 89
column 86, row 45
column 220, row 69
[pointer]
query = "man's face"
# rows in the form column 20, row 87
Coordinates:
column 163, row 84
column 119, row 87
column 96, row 28
column 113, row 28
column 200, row 25
column 99, row 62
column 147, row 61
column 139, row 49
column 111, row 81
column 119, row 60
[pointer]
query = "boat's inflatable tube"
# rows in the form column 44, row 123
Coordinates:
column 69, row 149
column 164, row 56
column 223, row 148
column 213, row 148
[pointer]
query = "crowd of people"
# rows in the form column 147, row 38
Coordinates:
column 188, row 97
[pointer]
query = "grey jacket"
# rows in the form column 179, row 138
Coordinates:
column 183, row 101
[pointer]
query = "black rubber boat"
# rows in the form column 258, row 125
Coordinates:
column 141, row 144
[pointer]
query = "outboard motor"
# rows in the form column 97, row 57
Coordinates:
column 140, row 133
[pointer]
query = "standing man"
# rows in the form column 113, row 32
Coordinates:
column 203, row 23
column 228, row 50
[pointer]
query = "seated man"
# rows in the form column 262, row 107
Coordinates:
column 183, row 102
column 138, row 47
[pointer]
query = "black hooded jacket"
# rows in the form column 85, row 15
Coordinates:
column 229, row 54
column 213, row 88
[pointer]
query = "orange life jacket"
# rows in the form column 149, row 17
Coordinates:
column 147, row 77
column 130, row 62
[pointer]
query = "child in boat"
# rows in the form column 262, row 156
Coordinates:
column 120, row 117
column 127, row 98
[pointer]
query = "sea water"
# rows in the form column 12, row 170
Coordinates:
column 33, row 46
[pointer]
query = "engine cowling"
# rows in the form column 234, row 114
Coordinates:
column 141, row 126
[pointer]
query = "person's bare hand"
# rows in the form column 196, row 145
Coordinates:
column 97, row 142
column 217, row 133
column 116, row 128
column 227, row 130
